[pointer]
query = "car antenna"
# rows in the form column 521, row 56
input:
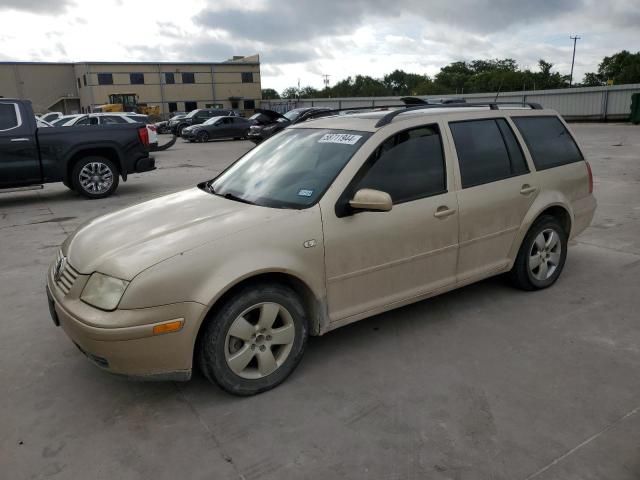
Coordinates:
column 499, row 88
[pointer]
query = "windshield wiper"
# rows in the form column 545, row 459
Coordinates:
column 231, row 196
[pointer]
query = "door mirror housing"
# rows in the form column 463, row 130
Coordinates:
column 367, row 199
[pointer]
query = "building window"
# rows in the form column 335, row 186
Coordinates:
column 247, row 77
column 79, row 86
column 249, row 104
column 173, row 107
column 188, row 77
column 105, row 79
column 188, row 106
column 84, row 79
column 234, row 104
column 136, row 78
column 169, row 78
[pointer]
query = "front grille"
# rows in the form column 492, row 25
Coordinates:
column 64, row 274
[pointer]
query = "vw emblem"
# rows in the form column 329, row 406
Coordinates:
column 59, row 268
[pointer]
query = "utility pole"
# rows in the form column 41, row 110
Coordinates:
column 575, row 39
column 325, row 80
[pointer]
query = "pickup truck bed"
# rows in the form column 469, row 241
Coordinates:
column 88, row 159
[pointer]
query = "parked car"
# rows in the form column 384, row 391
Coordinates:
column 163, row 127
column 196, row 117
column 269, row 122
column 89, row 161
column 51, row 116
column 327, row 223
column 110, row 119
column 42, row 124
column 217, row 128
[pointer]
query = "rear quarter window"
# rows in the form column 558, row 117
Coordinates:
column 548, row 140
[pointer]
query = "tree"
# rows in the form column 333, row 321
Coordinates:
column 308, row 92
column 622, row 67
column 291, row 92
column 270, row 94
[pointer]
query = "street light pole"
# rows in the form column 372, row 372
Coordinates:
column 575, row 39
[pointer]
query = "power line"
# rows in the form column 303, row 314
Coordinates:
column 575, row 39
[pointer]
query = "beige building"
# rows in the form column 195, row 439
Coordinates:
column 80, row 87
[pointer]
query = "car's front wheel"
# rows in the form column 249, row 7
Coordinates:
column 255, row 340
column 95, row 177
column 542, row 255
column 203, row 137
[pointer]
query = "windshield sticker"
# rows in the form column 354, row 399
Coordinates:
column 304, row 192
column 341, row 138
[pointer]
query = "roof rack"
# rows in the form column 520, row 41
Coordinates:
column 388, row 118
column 334, row 111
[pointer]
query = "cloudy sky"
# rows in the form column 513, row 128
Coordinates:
column 303, row 39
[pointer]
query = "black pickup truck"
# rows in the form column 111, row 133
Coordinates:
column 89, row 160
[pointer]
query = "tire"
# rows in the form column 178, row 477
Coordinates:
column 542, row 255
column 104, row 170
column 179, row 129
column 67, row 183
column 203, row 137
column 254, row 370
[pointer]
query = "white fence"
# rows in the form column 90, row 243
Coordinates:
column 582, row 103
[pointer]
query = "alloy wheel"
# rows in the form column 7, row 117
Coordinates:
column 96, row 177
column 545, row 254
column 259, row 340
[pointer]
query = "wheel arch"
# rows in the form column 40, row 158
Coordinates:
column 105, row 152
column 558, row 209
column 315, row 306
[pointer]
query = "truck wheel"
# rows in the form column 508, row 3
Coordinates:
column 255, row 340
column 95, row 177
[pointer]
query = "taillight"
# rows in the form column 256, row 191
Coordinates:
column 143, row 134
column 590, row 177
column 153, row 128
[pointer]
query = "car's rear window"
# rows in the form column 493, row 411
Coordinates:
column 548, row 141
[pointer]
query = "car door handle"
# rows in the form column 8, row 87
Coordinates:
column 527, row 189
column 444, row 211
column 23, row 139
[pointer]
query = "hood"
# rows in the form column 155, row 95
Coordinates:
column 128, row 241
column 267, row 116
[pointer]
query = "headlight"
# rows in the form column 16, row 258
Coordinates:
column 104, row 292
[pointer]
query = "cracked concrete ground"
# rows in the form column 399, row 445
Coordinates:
column 483, row 383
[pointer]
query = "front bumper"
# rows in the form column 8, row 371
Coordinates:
column 127, row 346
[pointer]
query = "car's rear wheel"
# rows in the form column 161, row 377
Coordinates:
column 95, row 177
column 203, row 136
column 542, row 255
column 255, row 340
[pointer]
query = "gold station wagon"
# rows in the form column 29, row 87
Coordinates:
column 330, row 221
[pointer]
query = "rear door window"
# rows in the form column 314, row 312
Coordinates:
column 548, row 141
column 8, row 116
column 487, row 151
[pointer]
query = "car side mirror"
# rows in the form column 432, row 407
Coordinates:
column 371, row 200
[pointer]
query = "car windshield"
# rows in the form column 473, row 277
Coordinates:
column 293, row 114
column 290, row 170
column 192, row 113
column 212, row 120
column 62, row 120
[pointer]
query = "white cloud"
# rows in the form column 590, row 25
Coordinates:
column 305, row 39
